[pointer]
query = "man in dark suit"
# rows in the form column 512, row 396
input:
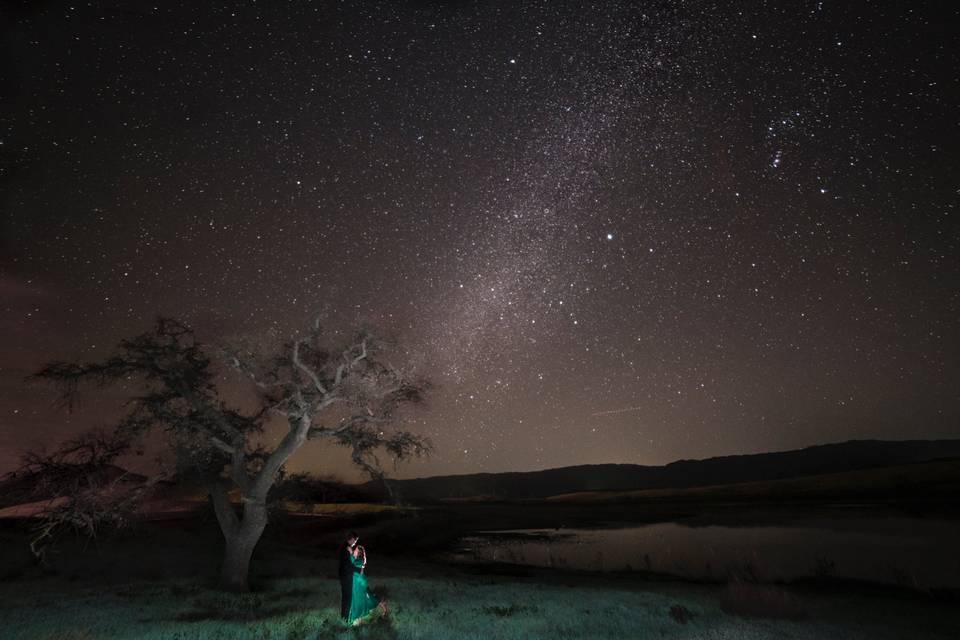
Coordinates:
column 346, row 571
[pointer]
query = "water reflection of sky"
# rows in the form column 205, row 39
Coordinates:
column 911, row 552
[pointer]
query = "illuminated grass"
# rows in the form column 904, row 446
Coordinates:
column 436, row 608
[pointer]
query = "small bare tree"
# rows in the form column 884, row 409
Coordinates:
column 343, row 391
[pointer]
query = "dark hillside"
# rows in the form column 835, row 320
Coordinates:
column 829, row 458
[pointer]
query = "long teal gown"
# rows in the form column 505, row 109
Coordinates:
column 362, row 601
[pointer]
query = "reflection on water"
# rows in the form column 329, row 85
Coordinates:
column 914, row 553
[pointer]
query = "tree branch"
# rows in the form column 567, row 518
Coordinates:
column 307, row 370
column 226, row 516
column 238, row 467
column 223, row 446
column 292, row 441
column 349, row 364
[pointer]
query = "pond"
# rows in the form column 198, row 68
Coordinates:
column 901, row 551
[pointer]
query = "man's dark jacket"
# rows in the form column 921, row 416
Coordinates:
column 346, row 571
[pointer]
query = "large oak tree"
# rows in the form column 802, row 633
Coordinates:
column 326, row 387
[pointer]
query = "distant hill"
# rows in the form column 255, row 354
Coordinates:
column 821, row 459
column 935, row 480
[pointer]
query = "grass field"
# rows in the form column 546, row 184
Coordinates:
column 441, row 607
column 156, row 583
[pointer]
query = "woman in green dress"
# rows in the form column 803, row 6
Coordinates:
column 362, row 602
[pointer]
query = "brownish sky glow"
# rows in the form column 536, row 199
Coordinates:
column 634, row 233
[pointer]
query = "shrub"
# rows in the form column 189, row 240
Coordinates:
column 680, row 614
column 753, row 600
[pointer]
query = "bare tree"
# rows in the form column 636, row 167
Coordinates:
column 343, row 391
column 80, row 489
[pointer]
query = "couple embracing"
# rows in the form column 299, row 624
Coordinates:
column 356, row 601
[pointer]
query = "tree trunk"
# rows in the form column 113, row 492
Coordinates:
column 240, row 543
column 393, row 493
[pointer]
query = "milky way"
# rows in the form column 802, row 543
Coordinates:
column 620, row 232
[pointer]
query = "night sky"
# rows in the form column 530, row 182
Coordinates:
column 610, row 232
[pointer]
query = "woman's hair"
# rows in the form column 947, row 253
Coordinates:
column 352, row 534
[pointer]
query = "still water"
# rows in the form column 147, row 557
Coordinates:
column 902, row 551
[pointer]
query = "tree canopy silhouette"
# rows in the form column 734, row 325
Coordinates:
column 322, row 387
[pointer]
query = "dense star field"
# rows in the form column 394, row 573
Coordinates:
column 618, row 232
